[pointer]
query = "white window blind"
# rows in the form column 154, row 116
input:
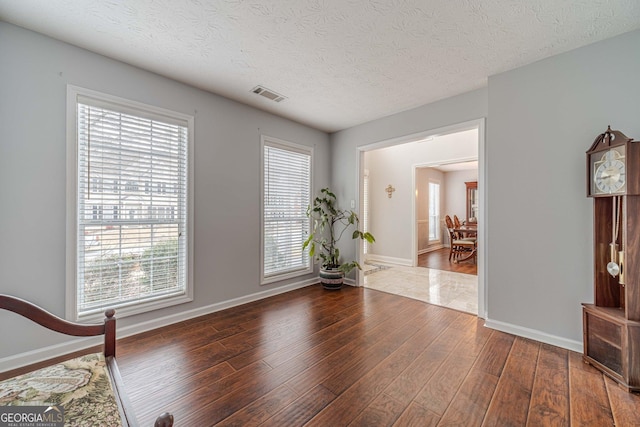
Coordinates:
column 131, row 206
column 286, row 196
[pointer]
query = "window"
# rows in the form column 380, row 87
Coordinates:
column 132, row 262
column 434, row 211
column 365, row 209
column 131, row 186
column 285, row 198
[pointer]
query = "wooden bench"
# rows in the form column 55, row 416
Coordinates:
column 86, row 371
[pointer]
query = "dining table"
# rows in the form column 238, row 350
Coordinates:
column 467, row 230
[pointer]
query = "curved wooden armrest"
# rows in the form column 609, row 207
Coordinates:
column 108, row 329
column 164, row 420
column 55, row 323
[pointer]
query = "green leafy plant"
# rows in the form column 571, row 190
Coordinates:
column 329, row 224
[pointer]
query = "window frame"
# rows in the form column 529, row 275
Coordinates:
column 141, row 110
column 438, row 214
column 266, row 140
column 366, row 196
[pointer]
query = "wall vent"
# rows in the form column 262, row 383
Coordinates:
column 268, row 93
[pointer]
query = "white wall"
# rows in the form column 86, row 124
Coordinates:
column 33, row 78
column 424, row 176
column 455, row 202
column 542, row 119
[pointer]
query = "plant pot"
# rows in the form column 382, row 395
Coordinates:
column 331, row 279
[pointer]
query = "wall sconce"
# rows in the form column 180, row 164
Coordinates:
column 389, row 190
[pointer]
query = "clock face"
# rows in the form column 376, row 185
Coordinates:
column 609, row 171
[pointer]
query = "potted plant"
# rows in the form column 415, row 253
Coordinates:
column 329, row 224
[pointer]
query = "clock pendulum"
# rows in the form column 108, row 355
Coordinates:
column 614, row 266
column 611, row 322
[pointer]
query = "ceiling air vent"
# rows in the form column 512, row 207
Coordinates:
column 268, row 93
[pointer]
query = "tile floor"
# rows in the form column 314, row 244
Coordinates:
column 444, row 288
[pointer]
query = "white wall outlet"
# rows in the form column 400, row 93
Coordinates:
column 353, row 204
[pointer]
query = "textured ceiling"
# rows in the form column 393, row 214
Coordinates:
column 339, row 62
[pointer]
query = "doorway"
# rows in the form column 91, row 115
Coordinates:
column 397, row 244
column 445, row 189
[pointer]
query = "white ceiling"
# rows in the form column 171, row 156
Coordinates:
column 339, row 62
column 454, row 167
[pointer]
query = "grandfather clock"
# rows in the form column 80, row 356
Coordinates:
column 611, row 325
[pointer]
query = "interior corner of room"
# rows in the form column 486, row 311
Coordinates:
column 507, row 154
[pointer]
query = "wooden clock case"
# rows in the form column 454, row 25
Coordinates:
column 611, row 325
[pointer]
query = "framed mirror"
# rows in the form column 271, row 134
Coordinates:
column 472, row 201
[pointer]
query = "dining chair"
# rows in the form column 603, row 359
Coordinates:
column 448, row 221
column 461, row 247
column 456, row 224
column 450, row 225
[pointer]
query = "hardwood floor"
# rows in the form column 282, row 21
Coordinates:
column 360, row 357
column 439, row 260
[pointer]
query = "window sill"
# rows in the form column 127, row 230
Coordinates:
column 288, row 275
column 134, row 308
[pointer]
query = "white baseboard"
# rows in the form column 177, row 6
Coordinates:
column 535, row 335
column 34, row 356
column 349, row 282
column 389, row 260
column 430, row 249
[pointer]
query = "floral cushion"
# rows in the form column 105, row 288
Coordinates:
column 81, row 386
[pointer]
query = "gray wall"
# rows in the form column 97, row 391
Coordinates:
column 542, row 119
column 344, row 153
column 34, row 73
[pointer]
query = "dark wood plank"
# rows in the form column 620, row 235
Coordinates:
column 341, row 354
column 510, row 403
column 383, row 411
column 395, row 337
column 494, row 355
column 439, row 391
column 625, row 406
column 590, row 404
column 439, row 260
column 292, row 345
column 442, row 334
column 302, row 409
column 297, row 322
column 409, row 383
column 470, row 404
column 185, row 401
column 262, row 408
column 359, row 357
column 185, row 380
column 174, row 368
column 417, row 416
column 244, row 394
column 354, row 399
column 549, row 403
